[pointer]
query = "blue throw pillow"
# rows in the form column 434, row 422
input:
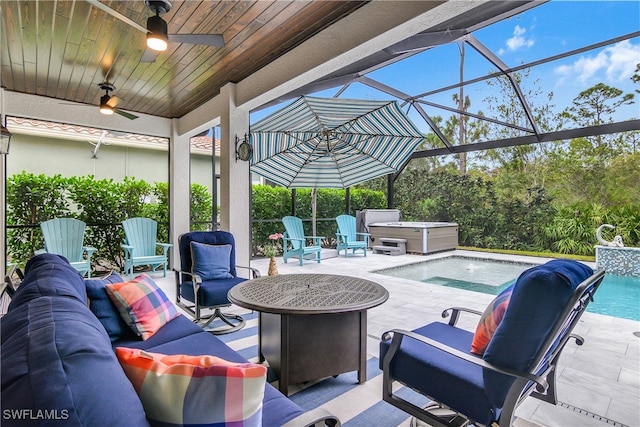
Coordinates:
column 211, row 262
column 103, row 308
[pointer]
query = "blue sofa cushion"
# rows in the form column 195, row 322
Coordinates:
column 537, row 302
column 104, row 309
column 210, row 262
column 56, row 356
column 175, row 329
column 49, row 275
column 455, row 382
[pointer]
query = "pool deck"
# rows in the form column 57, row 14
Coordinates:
column 598, row 383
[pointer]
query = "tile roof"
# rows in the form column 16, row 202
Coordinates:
column 200, row 144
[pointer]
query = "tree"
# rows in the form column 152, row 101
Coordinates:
column 593, row 163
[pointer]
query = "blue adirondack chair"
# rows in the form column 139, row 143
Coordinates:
column 347, row 236
column 140, row 248
column 65, row 236
column 294, row 236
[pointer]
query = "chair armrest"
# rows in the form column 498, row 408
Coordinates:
column 455, row 313
column 316, row 239
column 165, row 247
column 398, row 334
column 128, row 250
column 90, row 250
column 196, row 278
column 254, row 271
column 312, row 418
column 294, row 238
column 363, row 234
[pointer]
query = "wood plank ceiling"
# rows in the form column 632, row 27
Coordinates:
column 65, row 49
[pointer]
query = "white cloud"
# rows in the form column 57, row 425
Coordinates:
column 518, row 40
column 614, row 64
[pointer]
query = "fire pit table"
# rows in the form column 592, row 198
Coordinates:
column 311, row 325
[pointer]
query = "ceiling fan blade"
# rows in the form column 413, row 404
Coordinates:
column 215, row 40
column 125, row 114
column 149, row 55
column 117, row 15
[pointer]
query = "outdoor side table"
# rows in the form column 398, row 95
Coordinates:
column 311, row 325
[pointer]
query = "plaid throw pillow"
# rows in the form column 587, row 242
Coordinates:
column 142, row 305
column 490, row 320
column 180, row 390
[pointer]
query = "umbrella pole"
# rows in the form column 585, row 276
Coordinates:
column 314, row 192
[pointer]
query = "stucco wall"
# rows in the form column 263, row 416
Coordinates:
column 50, row 156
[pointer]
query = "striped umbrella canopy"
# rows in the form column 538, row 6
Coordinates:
column 332, row 142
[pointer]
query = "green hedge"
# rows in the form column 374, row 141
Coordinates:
column 32, row 199
column 529, row 222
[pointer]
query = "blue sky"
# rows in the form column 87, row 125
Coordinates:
column 552, row 28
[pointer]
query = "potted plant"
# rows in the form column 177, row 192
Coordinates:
column 270, row 251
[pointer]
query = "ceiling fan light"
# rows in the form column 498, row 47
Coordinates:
column 105, row 108
column 157, row 38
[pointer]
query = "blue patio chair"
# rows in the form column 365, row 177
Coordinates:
column 65, row 236
column 294, row 236
column 347, row 237
column 207, row 272
column 140, row 247
column 520, row 359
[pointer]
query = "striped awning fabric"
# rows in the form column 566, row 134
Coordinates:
column 332, row 142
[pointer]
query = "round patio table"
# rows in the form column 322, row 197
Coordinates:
column 311, row 326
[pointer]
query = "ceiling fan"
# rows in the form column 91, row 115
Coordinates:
column 156, row 30
column 108, row 103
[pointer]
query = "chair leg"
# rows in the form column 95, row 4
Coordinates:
column 234, row 322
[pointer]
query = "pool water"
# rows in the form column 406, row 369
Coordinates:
column 617, row 296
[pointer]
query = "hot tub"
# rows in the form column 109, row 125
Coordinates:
column 421, row 237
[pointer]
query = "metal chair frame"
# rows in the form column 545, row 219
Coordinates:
column 538, row 381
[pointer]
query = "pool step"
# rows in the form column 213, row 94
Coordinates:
column 391, row 246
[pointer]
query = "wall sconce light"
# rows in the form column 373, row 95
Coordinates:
column 5, row 139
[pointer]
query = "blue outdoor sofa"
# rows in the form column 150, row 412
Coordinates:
column 58, row 365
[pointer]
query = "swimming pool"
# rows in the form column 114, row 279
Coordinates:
column 618, row 296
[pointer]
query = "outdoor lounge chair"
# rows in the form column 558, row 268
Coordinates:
column 520, row 359
column 141, row 244
column 207, row 272
column 65, row 236
column 347, row 237
column 294, row 236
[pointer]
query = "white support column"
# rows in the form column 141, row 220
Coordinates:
column 179, row 191
column 3, row 215
column 235, row 185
